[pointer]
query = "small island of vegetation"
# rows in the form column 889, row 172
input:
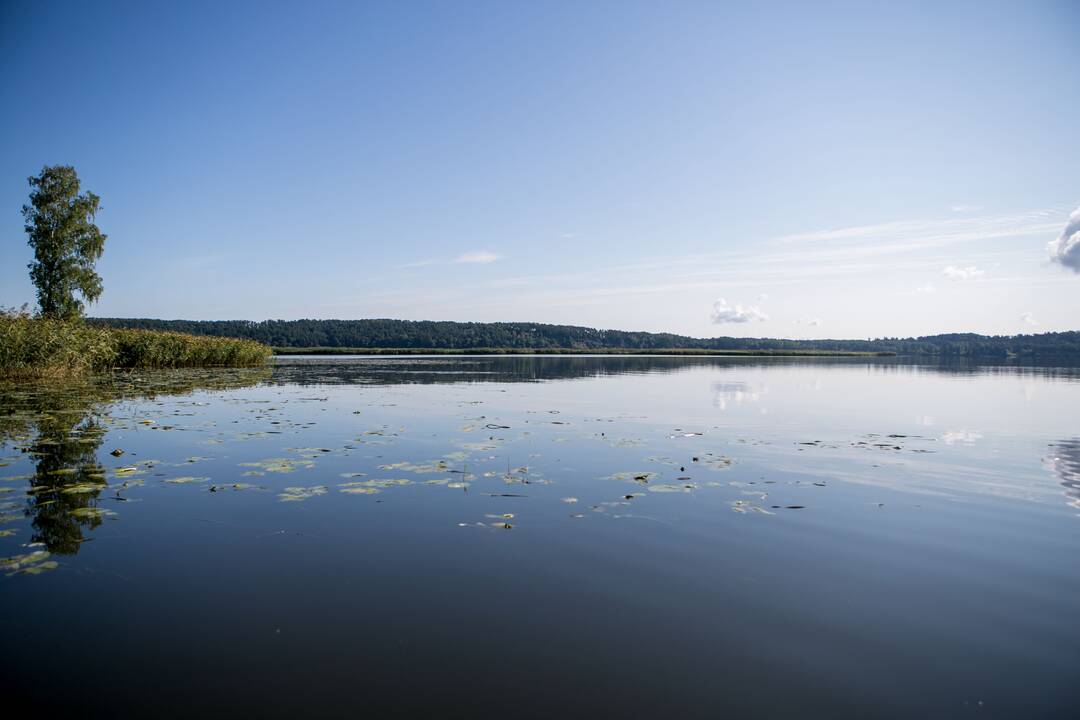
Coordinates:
column 56, row 340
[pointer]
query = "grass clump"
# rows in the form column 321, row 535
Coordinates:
column 153, row 349
column 41, row 347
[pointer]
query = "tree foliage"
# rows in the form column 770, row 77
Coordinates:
column 66, row 242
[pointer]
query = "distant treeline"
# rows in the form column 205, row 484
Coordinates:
column 409, row 334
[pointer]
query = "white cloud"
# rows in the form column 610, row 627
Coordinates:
column 925, row 289
column 477, row 256
column 815, row 322
column 966, row 208
column 726, row 393
column 418, row 263
column 1066, row 249
column 963, row 437
column 724, row 313
column 763, row 297
column 1028, row 319
column 962, row 273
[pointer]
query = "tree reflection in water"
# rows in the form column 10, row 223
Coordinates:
column 61, row 426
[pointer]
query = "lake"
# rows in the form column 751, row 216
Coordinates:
column 544, row 537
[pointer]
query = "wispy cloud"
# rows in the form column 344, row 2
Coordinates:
column 477, row 256
column 913, row 250
column 962, row 273
column 723, row 313
column 1066, row 249
column 472, row 257
column 966, row 208
column 1028, row 319
column 903, row 235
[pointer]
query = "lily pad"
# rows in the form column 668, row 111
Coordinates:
column 83, row 488
column 280, row 465
column 91, row 513
column 186, row 480
column 670, row 488
column 361, row 490
column 297, row 494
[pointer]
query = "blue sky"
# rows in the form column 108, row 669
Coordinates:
column 773, row 169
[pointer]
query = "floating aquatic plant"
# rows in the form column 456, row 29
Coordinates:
column 279, row 465
column 186, row 480
column 296, row 494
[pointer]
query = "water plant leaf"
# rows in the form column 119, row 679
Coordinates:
column 83, row 488
column 187, row 479
column 280, row 465
column 91, row 513
column 32, row 563
column 638, row 477
column 297, row 494
column 670, row 488
column 37, row 569
column 432, row 467
column 714, row 462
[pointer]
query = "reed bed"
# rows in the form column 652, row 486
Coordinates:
column 38, row 347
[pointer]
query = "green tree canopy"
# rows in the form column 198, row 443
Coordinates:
column 66, row 242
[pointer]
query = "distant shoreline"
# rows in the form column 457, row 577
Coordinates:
column 387, row 336
column 285, row 351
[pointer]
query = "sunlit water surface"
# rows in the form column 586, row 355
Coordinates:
column 545, row 537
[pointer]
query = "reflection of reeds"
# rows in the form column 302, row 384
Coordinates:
column 25, row 403
column 59, row 423
column 39, row 347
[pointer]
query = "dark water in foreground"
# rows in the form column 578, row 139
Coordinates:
column 544, row 537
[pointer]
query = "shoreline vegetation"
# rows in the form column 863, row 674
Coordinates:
column 383, row 336
column 36, row 347
column 287, row 351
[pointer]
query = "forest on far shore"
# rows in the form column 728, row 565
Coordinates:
column 439, row 335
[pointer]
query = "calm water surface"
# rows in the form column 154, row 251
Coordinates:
column 544, row 537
